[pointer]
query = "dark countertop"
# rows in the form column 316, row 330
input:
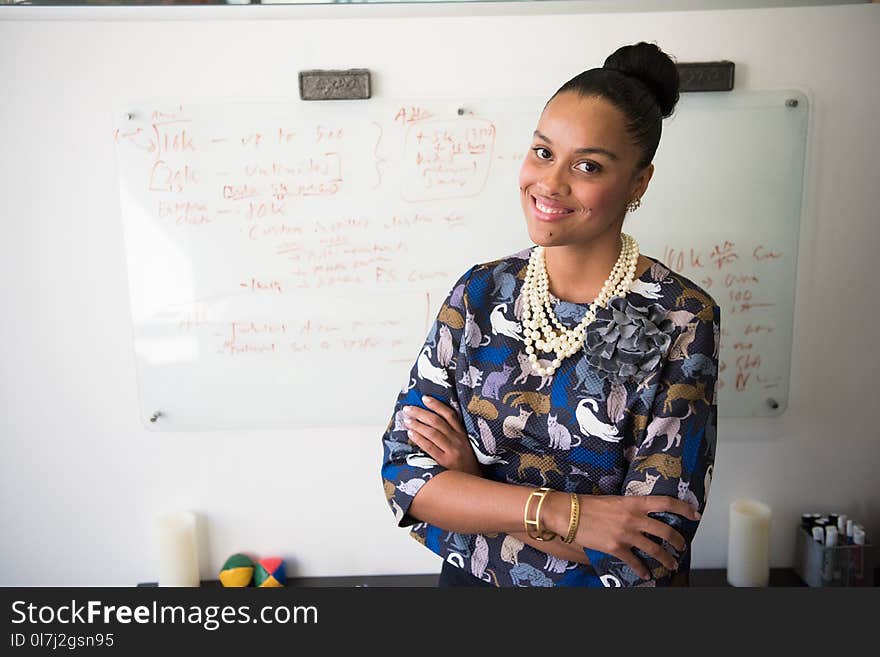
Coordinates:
column 698, row 577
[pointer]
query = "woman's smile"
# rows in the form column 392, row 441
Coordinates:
column 545, row 209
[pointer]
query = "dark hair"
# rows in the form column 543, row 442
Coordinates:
column 642, row 82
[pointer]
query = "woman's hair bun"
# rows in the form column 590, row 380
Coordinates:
column 653, row 67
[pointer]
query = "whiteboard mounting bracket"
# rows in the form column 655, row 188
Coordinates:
column 350, row 84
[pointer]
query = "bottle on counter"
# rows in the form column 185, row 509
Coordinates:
column 858, row 535
column 830, row 536
column 841, row 526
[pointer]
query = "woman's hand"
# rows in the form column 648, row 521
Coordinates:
column 617, row 523
column 439, row 433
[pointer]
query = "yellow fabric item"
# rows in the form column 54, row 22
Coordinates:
column 236, row 577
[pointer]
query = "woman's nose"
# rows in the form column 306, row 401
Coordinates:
column 554, row 181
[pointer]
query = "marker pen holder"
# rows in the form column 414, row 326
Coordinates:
column 839, row 565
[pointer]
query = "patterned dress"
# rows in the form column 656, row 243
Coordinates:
column 632, row 413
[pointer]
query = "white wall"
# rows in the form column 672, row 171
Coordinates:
column 80, row 479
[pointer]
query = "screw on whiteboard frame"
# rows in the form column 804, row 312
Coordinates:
column 129, row 116
column 791, row 102
column 772, row 403
column 461, row 111
column 156, row 416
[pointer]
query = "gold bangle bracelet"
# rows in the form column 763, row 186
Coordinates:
column 533, row 527
column 574, row 519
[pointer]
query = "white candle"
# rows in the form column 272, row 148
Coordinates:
column 748, row 546
column 176, row 549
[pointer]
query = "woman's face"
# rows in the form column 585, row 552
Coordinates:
column 570, row 193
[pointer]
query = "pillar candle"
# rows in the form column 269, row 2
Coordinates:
column 176, row 549
column 748, row 547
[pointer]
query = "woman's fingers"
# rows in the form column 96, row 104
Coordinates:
column 664, row 531
column 440, row 423
column 429, row 425
column 425, row 444
column 630, row 559
column 652, row 549
column 647, row 546
column 452, row 446
column 439, row 415
column 446, row 412
column 653, row 527
column 661, row 503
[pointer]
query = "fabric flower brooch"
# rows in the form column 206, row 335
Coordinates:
column 630, row 343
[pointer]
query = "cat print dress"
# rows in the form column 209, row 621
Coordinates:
column 632, row 413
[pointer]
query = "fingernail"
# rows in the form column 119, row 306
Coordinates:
column 409, row 433
column 427, row 399
column 698, row 515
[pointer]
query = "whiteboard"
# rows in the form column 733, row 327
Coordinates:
column 286, row 258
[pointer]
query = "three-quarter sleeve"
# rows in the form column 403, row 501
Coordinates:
column 405, row 468
column 677, row 451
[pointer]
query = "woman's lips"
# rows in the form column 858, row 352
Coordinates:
column 555, row 215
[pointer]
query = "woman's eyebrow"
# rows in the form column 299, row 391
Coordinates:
column 602, row 151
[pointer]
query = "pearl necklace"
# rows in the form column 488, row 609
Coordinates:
column 536, row 300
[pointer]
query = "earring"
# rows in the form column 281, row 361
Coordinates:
column 633, row 205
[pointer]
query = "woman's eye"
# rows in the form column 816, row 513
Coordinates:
column 594, row 169
column 538, row 152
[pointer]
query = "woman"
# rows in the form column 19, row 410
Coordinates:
column 558, row 427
